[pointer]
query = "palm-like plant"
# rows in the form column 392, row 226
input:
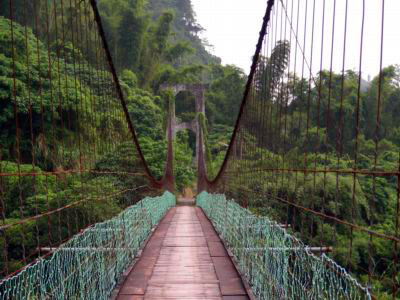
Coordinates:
column 270, row 71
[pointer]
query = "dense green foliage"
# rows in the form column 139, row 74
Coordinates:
column 185, row 28
column 65, row 123
column 155, row 42
column 313, row 126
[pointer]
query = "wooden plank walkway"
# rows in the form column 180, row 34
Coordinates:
column 184, row 259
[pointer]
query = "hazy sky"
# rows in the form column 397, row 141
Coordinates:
column 232, row 27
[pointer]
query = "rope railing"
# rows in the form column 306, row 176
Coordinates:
column 69, row 153
column 90, row 264
column 315, row 143
column 276, row 264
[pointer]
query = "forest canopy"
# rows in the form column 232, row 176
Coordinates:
column 154, row 42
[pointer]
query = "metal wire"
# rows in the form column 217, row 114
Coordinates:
column 277, row 265
column 299, row 149
column 90, row 264
column 63, row 111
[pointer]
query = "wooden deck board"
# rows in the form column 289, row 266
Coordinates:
column 184, row 259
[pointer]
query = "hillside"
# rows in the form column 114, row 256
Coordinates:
column 184, row 27
column 157, row 42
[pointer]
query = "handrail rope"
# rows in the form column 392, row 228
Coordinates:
column 246, row 93
column 156, row 183
column 308, row 64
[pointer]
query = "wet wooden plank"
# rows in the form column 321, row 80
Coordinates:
column 232, row 287
column 187, row 241
column 184, row 259
column 217, row 248
column 184, row 256
column 130, row 297
column 173, row 290
column 224, row 267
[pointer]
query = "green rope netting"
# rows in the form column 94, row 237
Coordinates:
column 89, row 265
column 276, row 264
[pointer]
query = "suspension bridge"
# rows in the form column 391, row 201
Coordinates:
column 63, row 236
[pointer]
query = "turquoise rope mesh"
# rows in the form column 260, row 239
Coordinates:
column 89, row 265
column 276, row 264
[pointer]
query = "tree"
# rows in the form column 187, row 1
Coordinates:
column 389, row 80
column 225, row 94
column 157, row 44
column 270, row 70
column 131, row 37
